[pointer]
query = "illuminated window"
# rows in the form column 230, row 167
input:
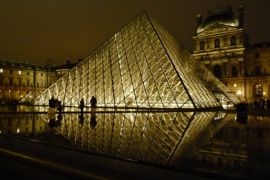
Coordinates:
column 202, row 45
column 238, row 93
column 233, row 41
column 217, row 43
column 1, row 70
column 257, row 90
column 20, row 72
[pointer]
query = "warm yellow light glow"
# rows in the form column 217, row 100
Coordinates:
column 234, row 85
column 18, row 130
column 264, row 93
column 1, row 70
column 238, row 92
column 20, row 72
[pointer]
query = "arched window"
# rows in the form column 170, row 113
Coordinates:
column 258, row 90
column 217, row 43
column 202, row 45
column 217, row 71
column 233, row 41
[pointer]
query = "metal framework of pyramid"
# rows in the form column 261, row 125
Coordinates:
column 141, row 66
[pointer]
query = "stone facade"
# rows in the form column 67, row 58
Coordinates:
column 18, row 79
column 222, row 45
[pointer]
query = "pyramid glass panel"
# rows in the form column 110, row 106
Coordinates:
column 140, row 66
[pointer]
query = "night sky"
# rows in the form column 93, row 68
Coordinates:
column 37, row 30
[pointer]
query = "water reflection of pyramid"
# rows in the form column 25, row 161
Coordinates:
column 140, row 66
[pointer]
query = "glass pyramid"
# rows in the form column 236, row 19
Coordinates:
column 140, row 66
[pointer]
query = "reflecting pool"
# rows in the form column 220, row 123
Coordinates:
column 208, row 142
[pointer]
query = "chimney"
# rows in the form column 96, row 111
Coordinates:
column 241, row 15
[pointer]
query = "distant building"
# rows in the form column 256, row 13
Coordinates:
column 17, row 79
column 257, row 70
column 222, row 45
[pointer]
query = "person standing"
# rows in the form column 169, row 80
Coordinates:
column 93, row 101
column 81, row 106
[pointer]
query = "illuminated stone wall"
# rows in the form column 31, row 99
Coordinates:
column 19, row 79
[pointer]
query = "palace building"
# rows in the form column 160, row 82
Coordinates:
column 18, row 79
column 221, row 43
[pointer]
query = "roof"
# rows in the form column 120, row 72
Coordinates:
column 223, row 16
column 18, row 65
column 30, row 66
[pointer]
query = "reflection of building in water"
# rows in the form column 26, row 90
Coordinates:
column 140, row 66
column 222, row 45
column 18, row 79
column 237, row 147
column 21, row 124
column 153, row 137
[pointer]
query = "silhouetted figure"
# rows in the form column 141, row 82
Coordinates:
column 59, row 116
column 81, row 106
column 59, row 107
column 256, row 104
column 52, row 103
column 93, row 101
column 262, row 104
column 81, row 119
column 52, row 123
column 93, row 121
column 242, row 113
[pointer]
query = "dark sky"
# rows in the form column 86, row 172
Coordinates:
column 37, row 30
